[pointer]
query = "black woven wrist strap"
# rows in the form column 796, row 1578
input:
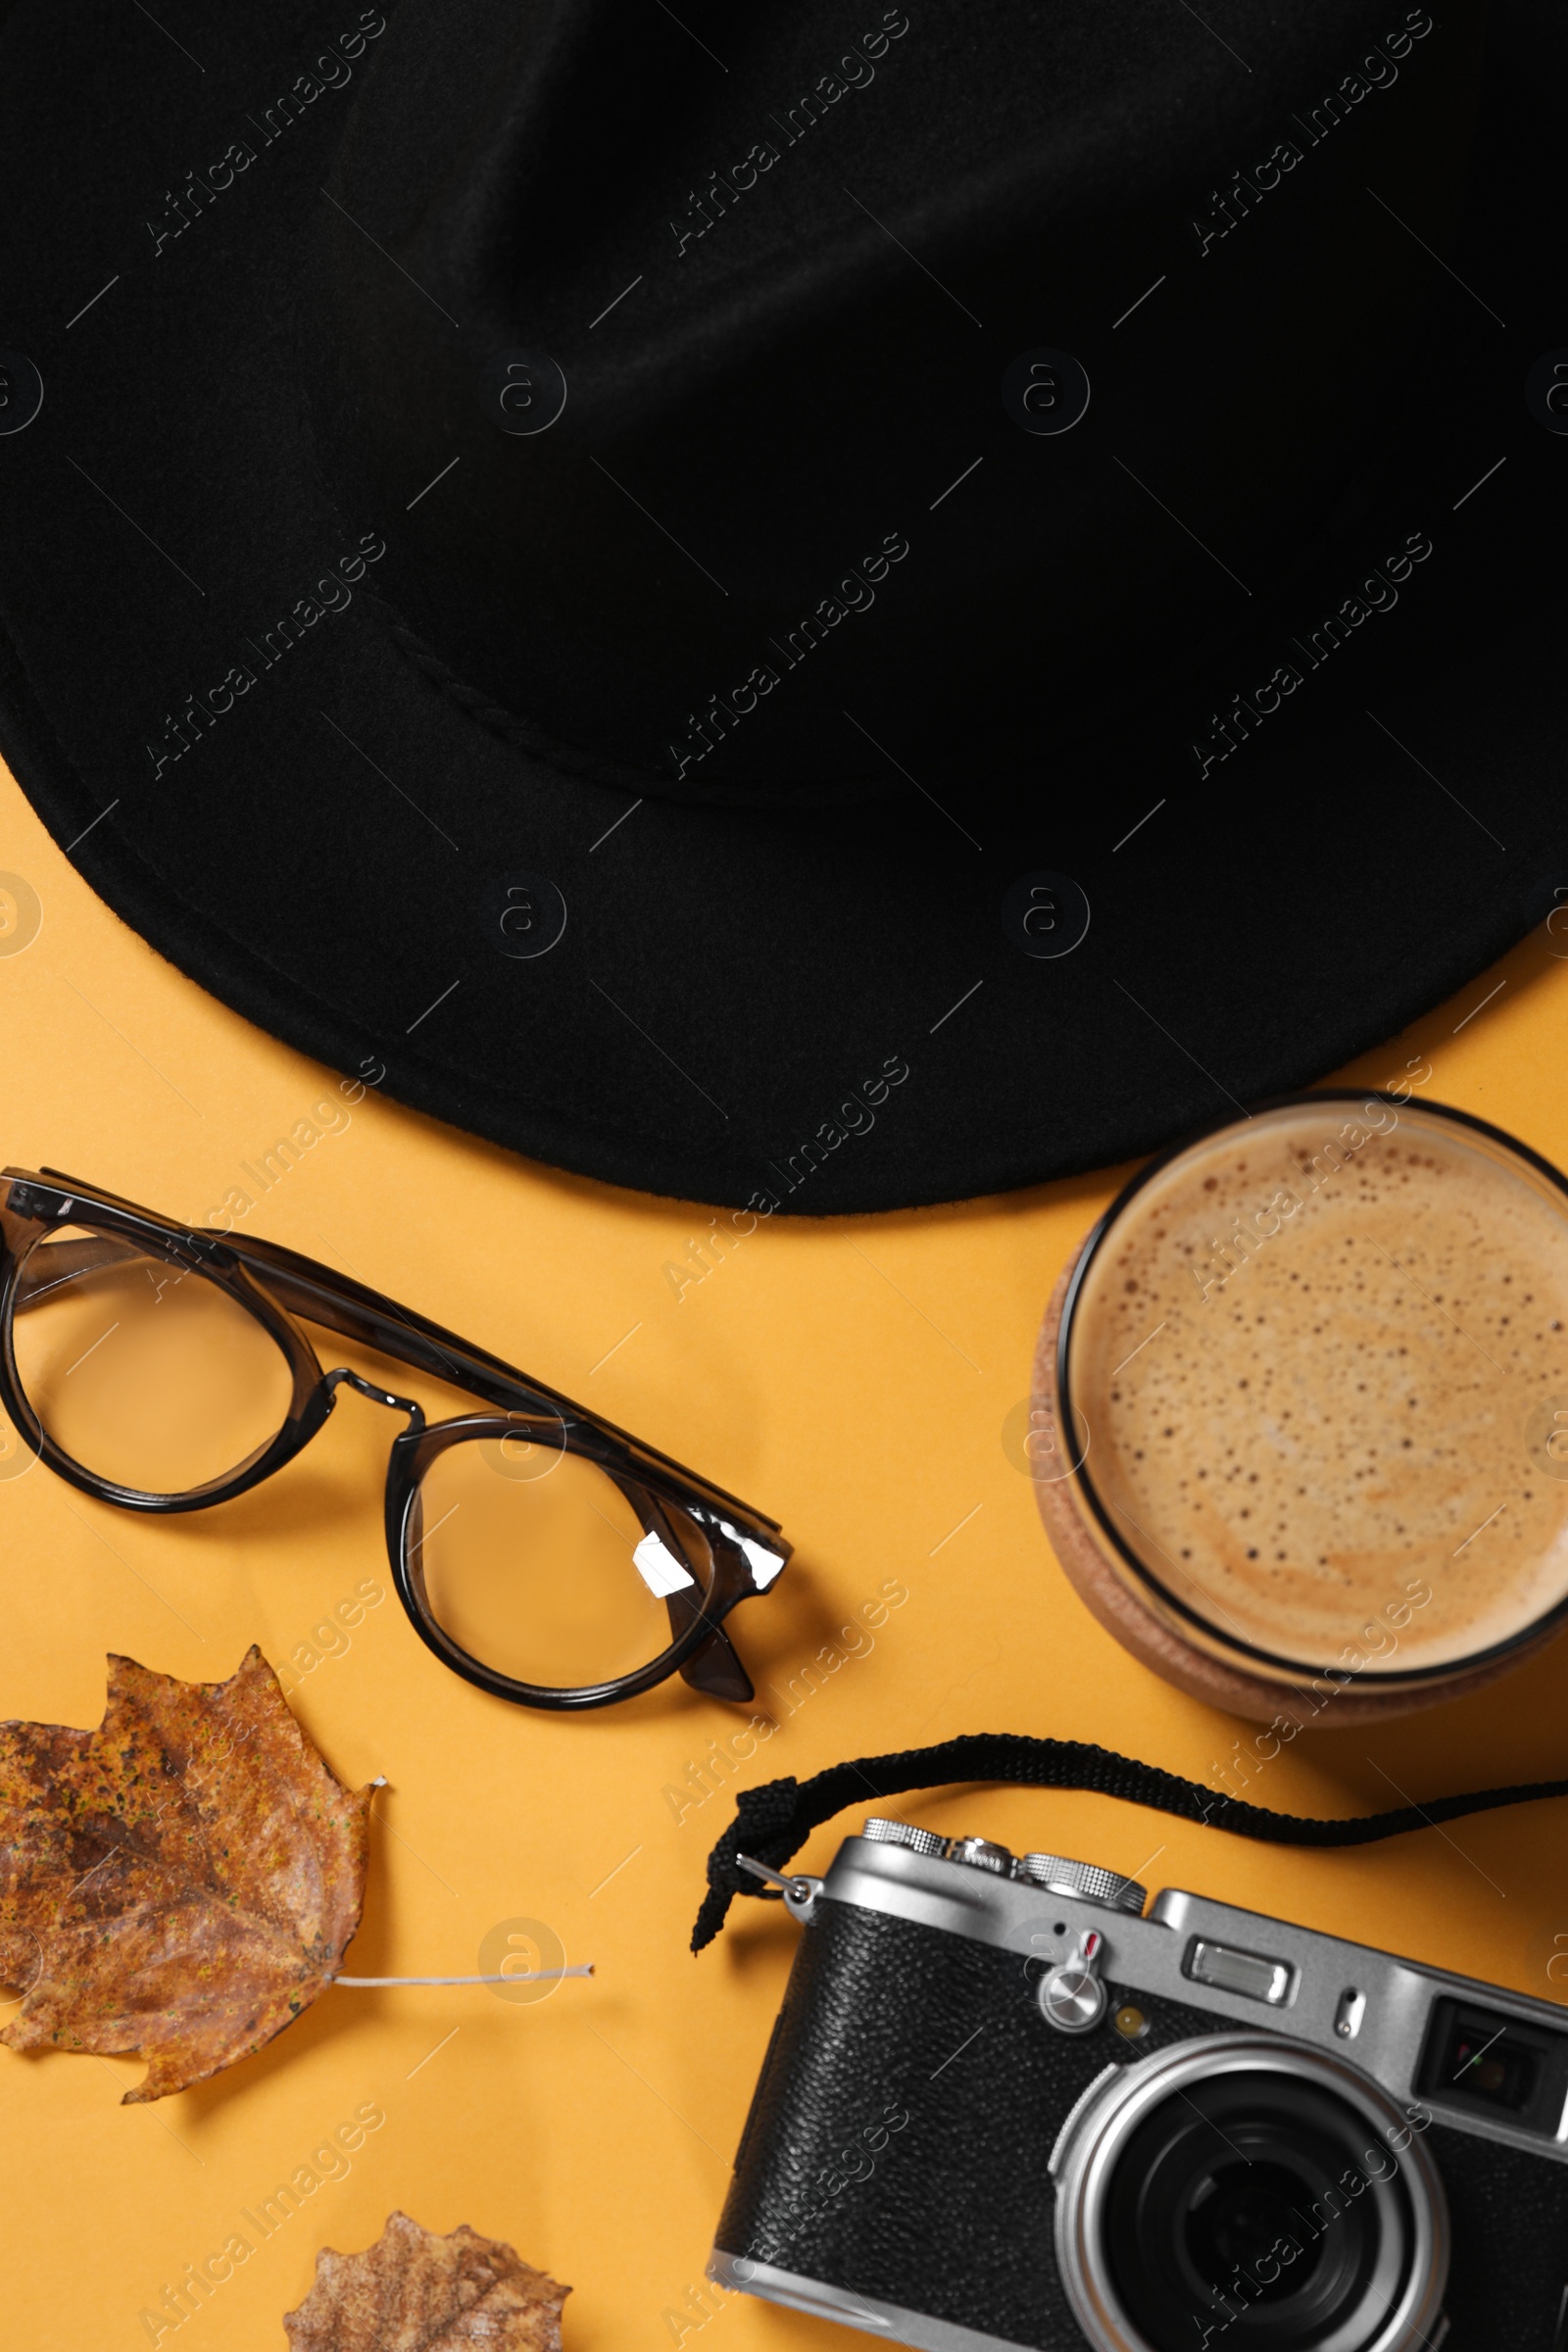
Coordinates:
column 773, row 1822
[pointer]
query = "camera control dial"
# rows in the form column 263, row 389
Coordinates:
column 1084, row 1878
column 1056, row 1872
column 882, row 1832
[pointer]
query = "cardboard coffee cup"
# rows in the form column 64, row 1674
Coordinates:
column 1298, row 1430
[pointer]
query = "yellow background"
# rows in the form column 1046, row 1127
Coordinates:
column 854, row 1377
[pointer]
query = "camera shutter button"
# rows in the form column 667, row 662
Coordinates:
column 981, row 1853
column 1071, row 1996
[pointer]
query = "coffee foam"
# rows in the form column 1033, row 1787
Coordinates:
column 1318, row 1365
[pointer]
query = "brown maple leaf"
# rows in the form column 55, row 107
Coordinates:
column 178, row 1884
column 414, row 2291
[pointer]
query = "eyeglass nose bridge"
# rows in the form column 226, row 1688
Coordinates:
column 331, row 1380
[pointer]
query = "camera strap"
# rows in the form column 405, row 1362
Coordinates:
column 773, row 1822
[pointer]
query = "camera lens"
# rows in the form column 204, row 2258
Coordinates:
column 1248, row 2190
column 1240, row 2213
column 1255, row 2201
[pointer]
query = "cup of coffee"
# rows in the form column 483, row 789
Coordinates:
column 1300, row 1423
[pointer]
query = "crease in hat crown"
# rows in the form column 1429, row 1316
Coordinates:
column 784, row 495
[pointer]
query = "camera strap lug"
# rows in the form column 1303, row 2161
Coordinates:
column 800, row 1891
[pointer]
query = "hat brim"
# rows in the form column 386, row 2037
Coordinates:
column 822, row 1008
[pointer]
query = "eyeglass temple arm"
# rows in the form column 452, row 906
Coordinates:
column 319, row 1295
column 358, row 1313
column 714, row 1665
column 715, row 1668
column 52, row 1264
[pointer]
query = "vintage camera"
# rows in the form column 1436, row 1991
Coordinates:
column 1005, row 2106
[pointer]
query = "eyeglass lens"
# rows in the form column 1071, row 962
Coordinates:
column 148, row 1375
column 537, row 1563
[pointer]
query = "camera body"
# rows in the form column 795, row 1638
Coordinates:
column 1003, row 2106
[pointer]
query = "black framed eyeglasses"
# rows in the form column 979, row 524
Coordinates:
column 540, row 1552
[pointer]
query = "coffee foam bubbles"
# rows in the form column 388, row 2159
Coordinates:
column 1316, row 1358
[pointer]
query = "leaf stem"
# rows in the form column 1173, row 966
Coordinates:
column 532, row 1975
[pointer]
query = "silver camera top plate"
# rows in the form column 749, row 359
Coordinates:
column 1368, row 2006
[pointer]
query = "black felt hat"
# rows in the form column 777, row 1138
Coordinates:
column 830, row 609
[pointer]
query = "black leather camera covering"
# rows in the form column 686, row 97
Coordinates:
column 951, row 2212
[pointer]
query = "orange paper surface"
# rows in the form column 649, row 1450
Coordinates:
column 865, row 1380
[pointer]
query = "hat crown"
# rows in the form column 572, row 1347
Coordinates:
column 707, row 370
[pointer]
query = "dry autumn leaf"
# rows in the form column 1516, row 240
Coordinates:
column 178, row 1884
column 414, row 2291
